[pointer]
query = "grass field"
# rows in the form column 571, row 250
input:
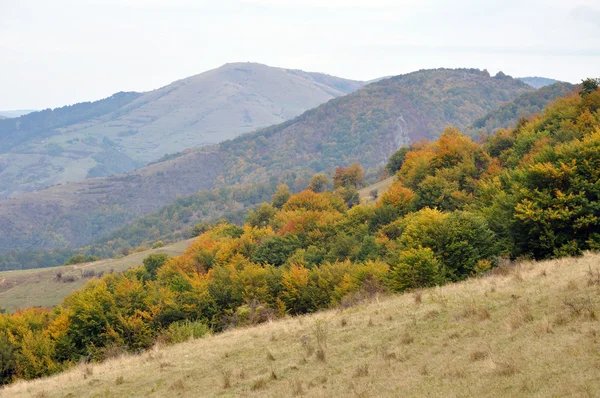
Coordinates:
column 381, row 186
column 41, row 287
column 529, row 329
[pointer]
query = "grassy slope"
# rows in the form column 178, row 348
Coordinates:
column 39, row 287
column 381, row 186
column 528, row 331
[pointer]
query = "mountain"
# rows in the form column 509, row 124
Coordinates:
column 537, row 82
column 128, row 130
column 365, row 126
column 525, row 105
column 15, row 113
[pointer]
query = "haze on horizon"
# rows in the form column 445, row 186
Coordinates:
column 67, row 51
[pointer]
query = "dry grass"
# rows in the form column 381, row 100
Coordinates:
column 518, row 332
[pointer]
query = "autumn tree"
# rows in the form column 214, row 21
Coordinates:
column 350, row 177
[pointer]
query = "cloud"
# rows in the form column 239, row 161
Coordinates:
column 587, row 14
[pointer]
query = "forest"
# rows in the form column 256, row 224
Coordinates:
column 457, row 209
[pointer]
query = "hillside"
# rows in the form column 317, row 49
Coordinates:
column 366, row 126
column 16, row 286
column 526, row 330
column 524, row 106
column 458, row 210
column 128, row 130
column 42, row 288
column 538, row 82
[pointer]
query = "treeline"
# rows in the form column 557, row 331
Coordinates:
column 457, row 207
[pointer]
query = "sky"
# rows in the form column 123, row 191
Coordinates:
column 59, row 52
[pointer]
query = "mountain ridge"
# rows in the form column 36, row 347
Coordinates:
column 199, row 110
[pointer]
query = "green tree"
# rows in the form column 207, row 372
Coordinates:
column 153, row 262
column 262, row 216
column 396, row 160
column 318, row 183
column 414, row 268
column 588, row 86
column 280, row 196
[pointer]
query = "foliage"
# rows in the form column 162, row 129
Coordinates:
column 414, row 268
column 588, row 86
column 395, row 162
column 318, row 183
column 153, row 262
column 80, row 258
column 350, row 177
column 181, row 331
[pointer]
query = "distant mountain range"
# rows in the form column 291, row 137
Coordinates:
column 128, row 130
column 15, row 113
column 365, row 126
column 538, row 82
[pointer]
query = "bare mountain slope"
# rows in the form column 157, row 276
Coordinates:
column 365, row 126
column 204, row 109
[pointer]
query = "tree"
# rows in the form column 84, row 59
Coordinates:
column 262, row 216
column 349, row 194
column 153, row 262
column 351, row 177
column 414, row 268
column 589, row 85
column 7, row 359
column 280, row 196
column 276, row 250
column 396, row 160
column 200, row 228
column 318, row 183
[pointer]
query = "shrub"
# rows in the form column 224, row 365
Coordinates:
column 158, row 244
column 465, row 240
column 181, row 331
column 414, row 268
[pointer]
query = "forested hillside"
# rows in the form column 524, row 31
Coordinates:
column 524, row 106
column 457, row 209
column 128, row 130
column 366, row 126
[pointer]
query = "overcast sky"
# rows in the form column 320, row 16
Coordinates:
column 59, row 52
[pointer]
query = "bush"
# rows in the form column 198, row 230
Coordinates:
column 414, row 268
column 81, row 258
column 158, row 244
column 181, row 331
